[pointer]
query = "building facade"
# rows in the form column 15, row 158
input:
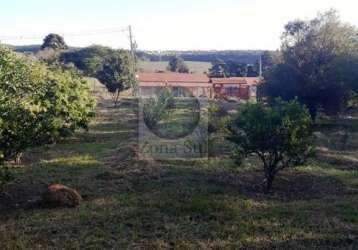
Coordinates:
column 199, row 85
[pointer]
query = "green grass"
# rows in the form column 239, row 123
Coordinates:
column 199, row 204
column 195, row 67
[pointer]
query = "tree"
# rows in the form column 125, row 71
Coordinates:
column 177, row 64
column 218, row 69
column 38, row 105
column 281, row 136
column 232, row 68
column 89, row 60
column 315, row 64
column 116, row 73
column 235, row 69
column 55, row 42
column 270, row 59
column 252, row 71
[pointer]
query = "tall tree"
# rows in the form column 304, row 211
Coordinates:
column 116, row 73
column 177, row 64
column 55, row 42
column 318, row 64
column 218, row 69
column 270, row 59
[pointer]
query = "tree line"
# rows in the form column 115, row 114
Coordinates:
column 114, row 68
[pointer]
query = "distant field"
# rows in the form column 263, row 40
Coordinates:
column 197, row 67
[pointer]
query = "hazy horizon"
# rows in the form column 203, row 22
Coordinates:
column 162, row 25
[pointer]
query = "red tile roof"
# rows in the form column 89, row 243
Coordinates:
column 175, row 84
column 190, row 80
column 237, row 80
column 172, row 78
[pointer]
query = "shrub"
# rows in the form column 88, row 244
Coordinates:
column 281, row 136
column 156, row 108
column 37, row 104
column 5, row 177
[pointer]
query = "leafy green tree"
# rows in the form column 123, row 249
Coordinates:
column 177, row 64
column 281, row 136
column 88, row 60
column 38, row 105
column 117, row 74
column 55, row 42
column 318, row 64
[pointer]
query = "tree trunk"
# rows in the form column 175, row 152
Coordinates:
column 116, row 99
column 269, row 182
column 270, row 176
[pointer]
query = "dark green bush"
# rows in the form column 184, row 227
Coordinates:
column 281, row 136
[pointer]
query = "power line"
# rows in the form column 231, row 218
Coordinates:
column 70, row 34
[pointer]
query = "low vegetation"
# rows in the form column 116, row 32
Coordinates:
column 200, row 204
column 38, row 105
column 280, row 136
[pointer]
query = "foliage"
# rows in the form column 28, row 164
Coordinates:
column 5, row 176
column 280, row 136
column 318, row 65
column 114, row 68
column 231, row 68
column 49, row 56
column 38, row 105
column 156, row 108
column 88, row 60
column 270, row 59
column 117, row 73
column 218, row 69
column 55, row 42
column 177, row 64
column 240, row 56
column 235, row 69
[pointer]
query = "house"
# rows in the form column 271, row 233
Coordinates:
column 199, row 85
column 241, row 88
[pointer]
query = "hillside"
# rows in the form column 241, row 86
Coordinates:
column 242, row 56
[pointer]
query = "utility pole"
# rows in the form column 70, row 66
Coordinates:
column 131, row 41
column 133, row 68
column 260, row 66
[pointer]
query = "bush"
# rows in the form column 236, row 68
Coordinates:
column 156, row 108
column 5, row 177
column 281, row 136
column 38, row 104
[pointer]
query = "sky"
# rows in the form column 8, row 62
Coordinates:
column 162, row 24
